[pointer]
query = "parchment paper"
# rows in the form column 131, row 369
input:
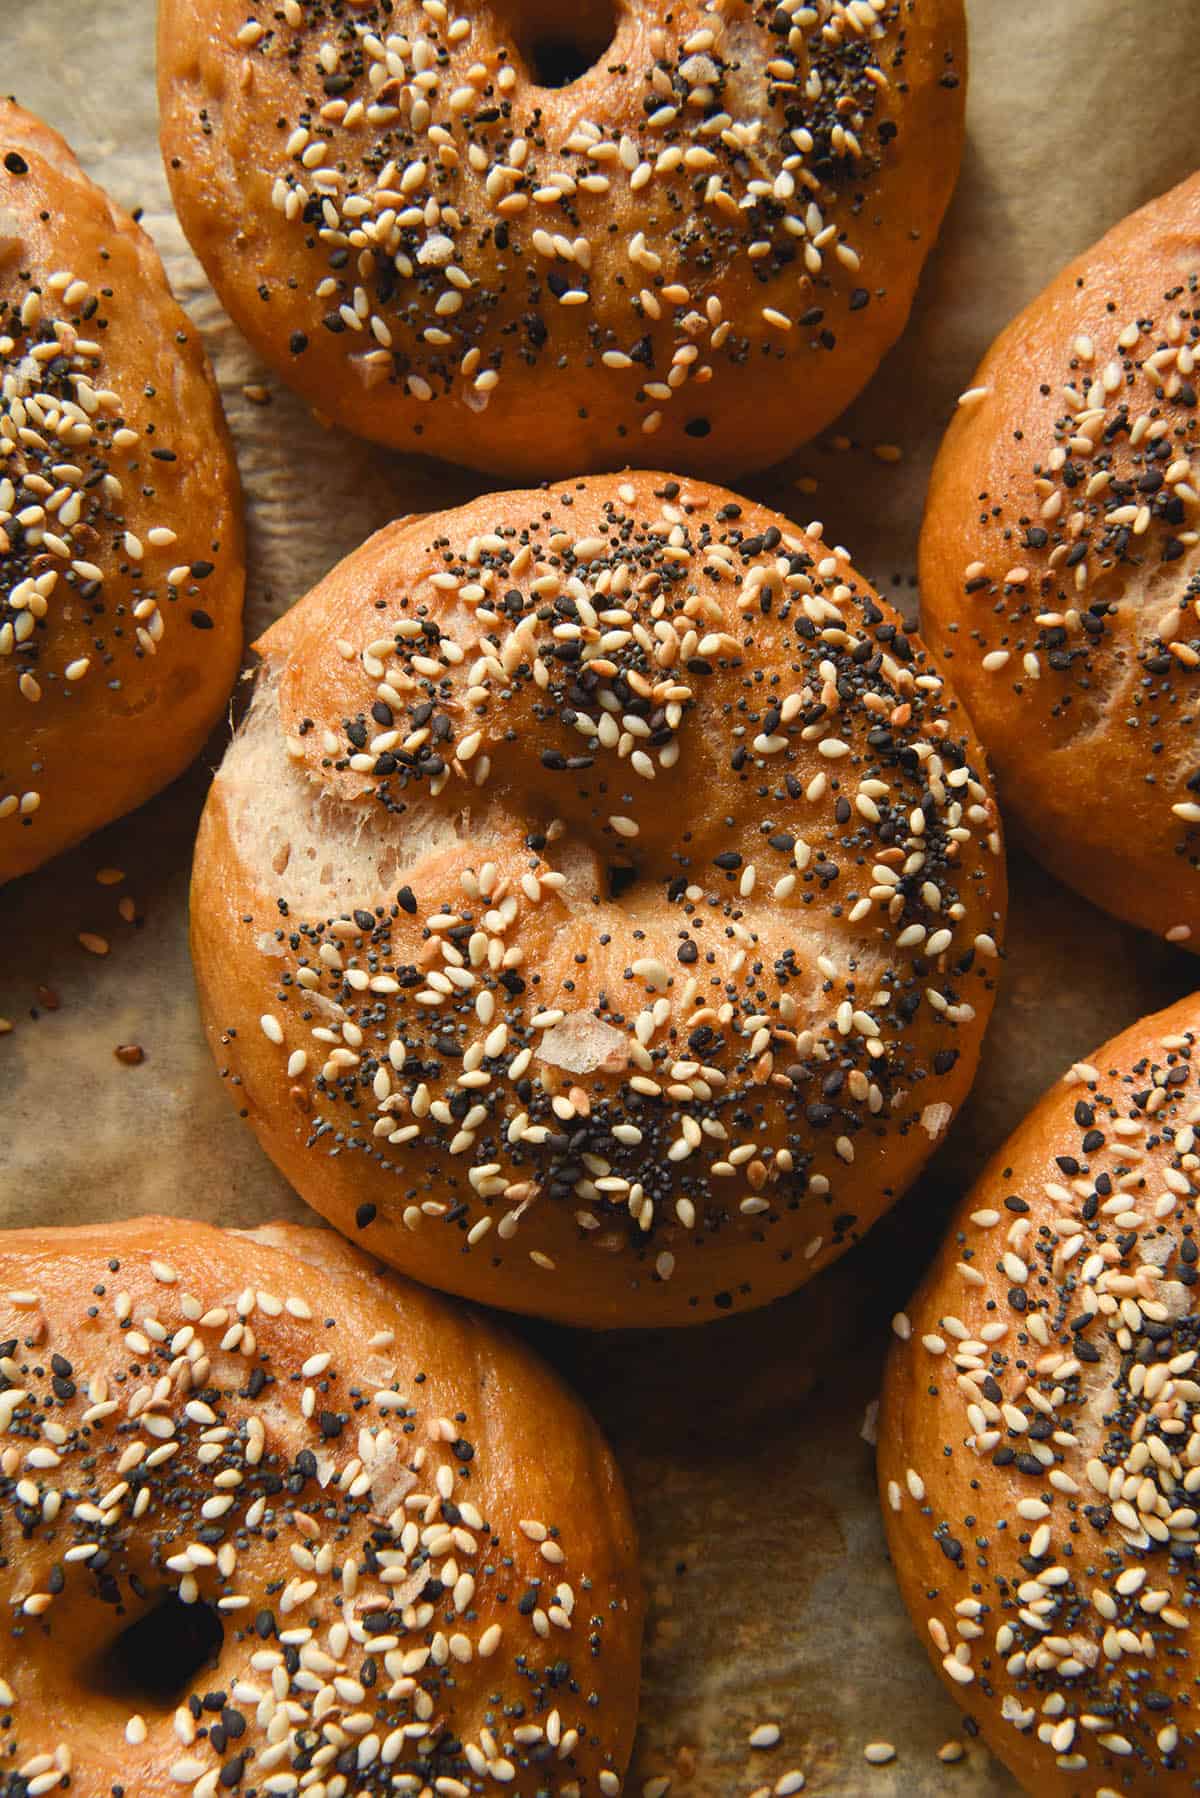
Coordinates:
column 770, row 1594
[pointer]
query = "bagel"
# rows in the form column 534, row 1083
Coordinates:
column 697, row 250
column 1039, row 1437
column 121, row 568
column 597, row 912
column 1060, row 568
column 275, row 1523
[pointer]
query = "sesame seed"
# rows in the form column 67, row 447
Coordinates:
column 764, row 1735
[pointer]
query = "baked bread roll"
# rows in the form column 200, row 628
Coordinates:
column 121, row 565
column 597, row 911
column 696, row 250
column 1039, row 1448
column 276, row 1524
column 121, row 570
column 1060, row 568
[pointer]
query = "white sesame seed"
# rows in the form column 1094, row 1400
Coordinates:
column 764, row 1735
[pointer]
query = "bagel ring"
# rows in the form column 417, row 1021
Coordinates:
column 121, row 569
column 274, row 1523
column 1039, row 1435
column 597, row 913
column 698, row 250
column 1060, row 567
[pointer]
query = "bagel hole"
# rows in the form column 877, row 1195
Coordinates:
column 156, row 1657
column 556, row 57
column 621, row 876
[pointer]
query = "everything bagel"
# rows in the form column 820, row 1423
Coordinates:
column 598, row 911
column 121, row 567
column 1060, row 567
column 275, row 1523
column 698, row 248
column 1039, row 1436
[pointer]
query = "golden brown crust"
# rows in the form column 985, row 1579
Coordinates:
column 722, row 274
column 598, row 912
column 407, row 1530
column 121, row 572
column 1039, row 1439
column 1060, row 567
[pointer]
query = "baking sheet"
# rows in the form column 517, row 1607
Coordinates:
column 770, row 1594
